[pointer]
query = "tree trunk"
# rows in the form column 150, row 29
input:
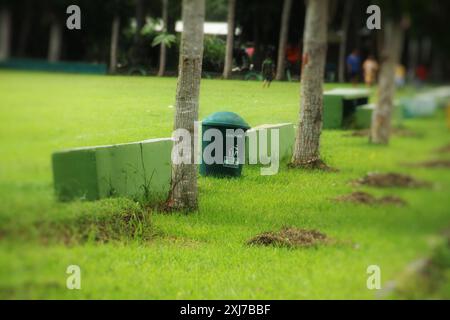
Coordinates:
column 140, row 19
column 306, row 151
column 162, row 49
column 284, row 29
column 348, row 5
column 5, row 33
column 392, row 48
column 413, row 57
column 25, row 28
column 230, row 40
column 114, row 44
column 54, row 46
column 183, row 194
column 137, row 52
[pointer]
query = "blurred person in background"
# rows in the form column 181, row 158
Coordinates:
column 370, row 68
column 421, row 74
column 400, row 76
column 268, row 71
column 354, row 67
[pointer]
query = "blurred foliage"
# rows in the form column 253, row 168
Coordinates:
column 164, row 38
column 214, row 53
column 259, row 21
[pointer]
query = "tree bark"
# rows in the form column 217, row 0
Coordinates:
column 413, row 56
column 137, row 52
column 55, row 42
column 284, row 29
column 348, row 5
column 140, row 19
column 114, row 43
column 391, row 53
column 307, row 143
column 162, row 49
column 5, row 33
column 183, row 195
column 25, row 28
column 230, row 40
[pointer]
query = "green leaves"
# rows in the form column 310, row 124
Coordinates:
column 164, row 38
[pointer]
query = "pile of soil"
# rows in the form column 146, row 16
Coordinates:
column 359, row 133
column 401, row 132
column 434, row 164
column 290, row 237
column 388, row 180
column 366, row 198
column 444, row 149
column 316, row 164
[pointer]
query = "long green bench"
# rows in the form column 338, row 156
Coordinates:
column 139, row 170
column 340, row 106
column 363, row 116
column 286, row 141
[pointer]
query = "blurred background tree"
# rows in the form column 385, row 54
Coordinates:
column 111, row 33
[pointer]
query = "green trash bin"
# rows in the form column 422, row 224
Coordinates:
column 230, row 161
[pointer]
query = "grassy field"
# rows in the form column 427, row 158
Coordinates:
column 125, row 251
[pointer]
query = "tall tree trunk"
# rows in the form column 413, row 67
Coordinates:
column 137, row 54
column 5, row 33
column 413, row 56
column 162, row 49
column 25, row 28
column 55, row 42
column 348, row 5
column 140, row 19
column 230, row 40
column 307, row 142
column 391, row 53
column 183, row 194
column 284, row 30
column 114, row 43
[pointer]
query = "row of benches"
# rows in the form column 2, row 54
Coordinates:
column 139, row 170
column 142, row 170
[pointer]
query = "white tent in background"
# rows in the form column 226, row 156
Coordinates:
column 216, row 28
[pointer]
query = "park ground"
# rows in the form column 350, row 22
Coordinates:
column 126, row 250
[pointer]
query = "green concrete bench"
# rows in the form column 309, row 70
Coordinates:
column 340, row 106
column 139, row 170
column 363, row 115
column 286, row 141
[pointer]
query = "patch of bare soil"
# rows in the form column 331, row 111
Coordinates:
column 358, row 133
column 444, row 149
column 366, row 198
column 290, row 237
column 401, row 132
column 433, row 164
column 313, row 165
column 390, row 180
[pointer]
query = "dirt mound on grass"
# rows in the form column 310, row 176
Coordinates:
column 433, row 164
column 290, row 237
column 358, row 133
column 366, row 198
column 389, row 180
column 401, row 132
column 444, row 149
column 316, row 164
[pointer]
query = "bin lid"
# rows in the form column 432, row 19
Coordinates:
column 225, row 119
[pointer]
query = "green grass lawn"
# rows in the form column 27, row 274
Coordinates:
column 125, row 251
